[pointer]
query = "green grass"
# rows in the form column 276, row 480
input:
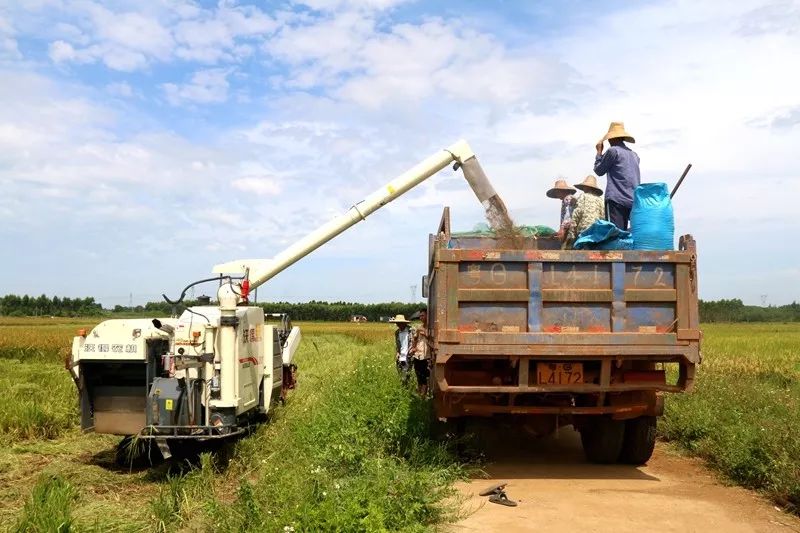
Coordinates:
column 49, row 508
column 744, row 415
column 350, row 451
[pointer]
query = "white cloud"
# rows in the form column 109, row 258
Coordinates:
column 351, row 98
column 411, row 62
column 9, row 48
column 259, row 186
column 122, row 89
column 206, row 87
column 336, row 5
column 129, row 36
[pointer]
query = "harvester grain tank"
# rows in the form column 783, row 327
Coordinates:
column 214, row 370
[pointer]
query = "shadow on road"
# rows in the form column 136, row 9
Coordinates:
column 509, row 452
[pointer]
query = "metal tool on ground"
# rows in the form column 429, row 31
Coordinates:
column 218, row 368
column 497, row 494
column 680, row 180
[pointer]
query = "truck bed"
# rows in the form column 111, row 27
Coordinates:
column 520, row 326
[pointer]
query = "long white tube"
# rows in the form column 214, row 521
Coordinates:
column 459, row 151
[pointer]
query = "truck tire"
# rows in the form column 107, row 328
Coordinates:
column 602, row 439
column 639, row 440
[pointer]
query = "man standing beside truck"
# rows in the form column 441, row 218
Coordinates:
column 403, row 341
column 421, row 354
column 622, row 166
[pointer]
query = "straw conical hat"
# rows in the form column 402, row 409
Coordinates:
column 399, row 319
column 560, row 187
column 617, row 131
column 589, row 184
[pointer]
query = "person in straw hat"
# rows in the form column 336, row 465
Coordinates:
column 565, row 193
column 621, row 164
column 403, row 339
column 589, row 207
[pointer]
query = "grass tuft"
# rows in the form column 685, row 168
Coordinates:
column 49, row 508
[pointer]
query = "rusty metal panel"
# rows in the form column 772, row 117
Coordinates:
column 492, row 275
column 619, row 311
column 649, row 317
column 684, row 298
column 457, row 255
column 535, row 296
column 577, row 295
column 566, row 339
column 650, row 295
column 505, row 317
column 650, row 276
column 493, row 295
column 502, row 305
column 572, row 318
column 557, row 276
column 451, row 296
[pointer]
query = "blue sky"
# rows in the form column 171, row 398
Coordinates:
column 143, row 142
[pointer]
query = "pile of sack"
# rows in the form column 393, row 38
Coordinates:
column 652, row 224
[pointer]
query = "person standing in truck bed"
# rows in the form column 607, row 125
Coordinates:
column 622, row 166
column 564, row 192
column 589, row 207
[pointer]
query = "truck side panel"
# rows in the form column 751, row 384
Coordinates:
column 625, row 322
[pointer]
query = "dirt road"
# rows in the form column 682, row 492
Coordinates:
column 558, row 491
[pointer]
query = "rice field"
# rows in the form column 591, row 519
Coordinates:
column 351, row 442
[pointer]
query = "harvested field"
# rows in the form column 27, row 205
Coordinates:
column 350, row 450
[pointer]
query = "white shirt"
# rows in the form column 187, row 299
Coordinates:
column 404, row 337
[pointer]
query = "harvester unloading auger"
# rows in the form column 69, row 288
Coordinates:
column 216, row 369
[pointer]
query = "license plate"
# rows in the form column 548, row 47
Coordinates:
column 559, row 373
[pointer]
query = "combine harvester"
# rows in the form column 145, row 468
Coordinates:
column 217, row 369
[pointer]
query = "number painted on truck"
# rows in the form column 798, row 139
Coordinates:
column 498, row 274
column 660, row 277
column 638, row 270
column 474, row 274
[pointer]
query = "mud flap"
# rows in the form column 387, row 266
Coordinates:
column 163, row 447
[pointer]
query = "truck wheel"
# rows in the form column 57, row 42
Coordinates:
column 602, row 439
column 639, row 441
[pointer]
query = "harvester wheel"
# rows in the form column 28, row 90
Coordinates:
column 602, row 439
column 639, row 440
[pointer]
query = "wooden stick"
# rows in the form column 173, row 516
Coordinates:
column 680, row 180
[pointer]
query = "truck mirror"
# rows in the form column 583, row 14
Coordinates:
column 425, row 286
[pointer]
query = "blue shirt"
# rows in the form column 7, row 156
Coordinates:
column 622, row 165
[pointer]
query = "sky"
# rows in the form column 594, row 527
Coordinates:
column 141, row 143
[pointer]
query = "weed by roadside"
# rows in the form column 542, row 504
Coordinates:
column 744, row 413
column 49, row 508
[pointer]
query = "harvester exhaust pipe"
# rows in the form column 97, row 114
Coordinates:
column 163, row 327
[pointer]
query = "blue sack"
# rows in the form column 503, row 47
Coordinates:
column 652, row 220
column 603, row 235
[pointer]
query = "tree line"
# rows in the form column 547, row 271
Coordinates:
column 733, row 310
column 313, row 310
column 13, row 305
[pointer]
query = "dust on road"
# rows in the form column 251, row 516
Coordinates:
column 558, row 491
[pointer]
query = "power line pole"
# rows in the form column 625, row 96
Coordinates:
column 413, row 293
